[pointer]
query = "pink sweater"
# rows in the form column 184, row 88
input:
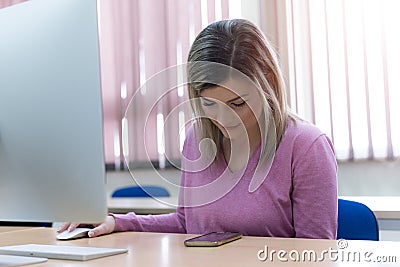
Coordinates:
column 298, row 197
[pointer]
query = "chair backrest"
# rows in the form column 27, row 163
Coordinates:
column 141, row 191
column 356, row 221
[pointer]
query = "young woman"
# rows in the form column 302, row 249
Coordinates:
column 248, row 164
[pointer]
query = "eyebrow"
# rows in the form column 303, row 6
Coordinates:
column 233, row 99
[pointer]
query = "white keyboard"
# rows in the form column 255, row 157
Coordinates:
column 60, row 252
column 10, row 260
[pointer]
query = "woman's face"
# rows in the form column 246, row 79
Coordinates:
column 234, row 107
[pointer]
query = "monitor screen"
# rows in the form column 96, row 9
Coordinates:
column 51, row 143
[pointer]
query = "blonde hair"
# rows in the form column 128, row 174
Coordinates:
column 239, row 44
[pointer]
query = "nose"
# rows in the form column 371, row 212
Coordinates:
column 226, row 116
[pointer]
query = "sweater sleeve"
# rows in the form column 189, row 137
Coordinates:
column 314, row 195
column 166, row 223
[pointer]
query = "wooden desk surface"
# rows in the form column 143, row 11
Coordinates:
column 4, row 229
column 159, row 249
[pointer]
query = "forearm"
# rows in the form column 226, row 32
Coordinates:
column 167, row 223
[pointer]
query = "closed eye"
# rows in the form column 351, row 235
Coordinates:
column 239, row 104
column 207, row 102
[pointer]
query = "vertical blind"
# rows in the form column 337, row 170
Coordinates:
column 345, row 65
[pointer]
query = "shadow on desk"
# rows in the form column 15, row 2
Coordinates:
column 26, row 224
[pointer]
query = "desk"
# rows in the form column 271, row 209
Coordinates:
column 4, row 229
column 143, row 205
column 159, row 249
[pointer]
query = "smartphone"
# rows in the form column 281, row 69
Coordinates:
column 213, row 239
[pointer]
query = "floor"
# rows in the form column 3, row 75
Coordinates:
column 169, row 178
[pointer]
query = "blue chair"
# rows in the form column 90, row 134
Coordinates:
column 356, row 221
column 141, row 191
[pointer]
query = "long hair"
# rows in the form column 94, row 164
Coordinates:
column 239, row 44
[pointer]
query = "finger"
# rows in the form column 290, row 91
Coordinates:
column 72, row 226
column 99, row 230
column 63, row 227
column 106, row 227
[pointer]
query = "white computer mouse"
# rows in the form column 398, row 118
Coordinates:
column 77, row 233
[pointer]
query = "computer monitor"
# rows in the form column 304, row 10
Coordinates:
column 51, row 145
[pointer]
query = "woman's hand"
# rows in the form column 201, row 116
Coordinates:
column 106, row 227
